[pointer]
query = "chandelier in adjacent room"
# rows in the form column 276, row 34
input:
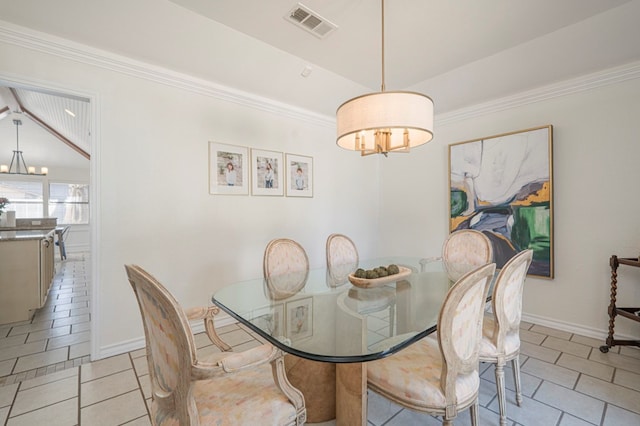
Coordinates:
column 18, row 165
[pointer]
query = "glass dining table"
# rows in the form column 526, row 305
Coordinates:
column 319, row 315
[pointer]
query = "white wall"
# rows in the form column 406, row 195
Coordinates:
column 153, row 208
column 596, row 203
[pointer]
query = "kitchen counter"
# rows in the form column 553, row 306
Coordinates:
column 32, row 234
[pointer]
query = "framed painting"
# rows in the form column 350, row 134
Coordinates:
column 270, row 319
column 503, row 186
column 228, row 169
column 266, row 173
column 299, row 175
column 299, row 317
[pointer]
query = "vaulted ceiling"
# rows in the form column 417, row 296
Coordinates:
column 53, row 130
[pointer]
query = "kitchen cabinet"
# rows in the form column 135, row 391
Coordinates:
column 27, row 268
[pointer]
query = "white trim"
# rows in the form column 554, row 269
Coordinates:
column 138, row 342
column 94, row 228
column 580, row 84
column 46, row 43
column 594, row 333
column 67, row 49
column 222, row 321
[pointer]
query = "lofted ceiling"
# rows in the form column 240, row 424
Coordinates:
column 54, row 130
column 460, row 53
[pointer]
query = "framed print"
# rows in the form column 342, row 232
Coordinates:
column 503, row 186
column 228, row 169
column 299, row 317
column 299, row 176
column 270, row 319
column 267, row 172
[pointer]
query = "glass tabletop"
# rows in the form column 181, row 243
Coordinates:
column 320, row 315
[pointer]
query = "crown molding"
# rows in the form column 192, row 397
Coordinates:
column 580, row 84
column 49, row 44
column 52, row 45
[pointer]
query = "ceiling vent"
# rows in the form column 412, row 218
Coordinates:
column 310, row 21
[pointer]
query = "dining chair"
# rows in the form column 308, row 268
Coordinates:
column 225, row 388
column 286, row 267
column 440, row 375
column 462, row 251
column 501, row 328
column 342, row 259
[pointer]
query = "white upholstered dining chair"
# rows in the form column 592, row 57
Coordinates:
column 501, row 330
column 342, row 259
column 440, row 376
column 225, row 388
column 462, row 251
column 286, row 267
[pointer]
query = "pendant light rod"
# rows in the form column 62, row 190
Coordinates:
column 383, row 122
column 382, row 88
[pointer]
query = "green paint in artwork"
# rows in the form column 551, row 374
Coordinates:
column 532, row 229
column 458, row 202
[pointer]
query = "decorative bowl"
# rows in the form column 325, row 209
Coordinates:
column 377, row 282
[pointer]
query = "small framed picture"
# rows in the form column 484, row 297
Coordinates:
column 228, row 169
column 270, row 319
column 299, row 175
column 267, row 175
column 299, row 317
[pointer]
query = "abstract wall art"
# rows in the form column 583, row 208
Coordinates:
column 503, row 186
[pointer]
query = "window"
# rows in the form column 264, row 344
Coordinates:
column 69, row 202
column 25, row 197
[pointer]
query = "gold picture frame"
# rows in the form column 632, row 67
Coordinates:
column 502, row 185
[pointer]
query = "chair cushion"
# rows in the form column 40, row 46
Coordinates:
column 244, row 398
column 488, row 347
column 413, row 375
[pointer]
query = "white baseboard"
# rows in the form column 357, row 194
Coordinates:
column 198, row 327
column 138, row 343
column 594, row 333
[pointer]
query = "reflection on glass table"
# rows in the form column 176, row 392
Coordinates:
column 319, row 315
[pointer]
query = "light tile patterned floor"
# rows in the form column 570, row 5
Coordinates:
column 57, row 337
column 566, row 380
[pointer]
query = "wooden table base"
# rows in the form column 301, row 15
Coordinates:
column 351, row 394
column 317, row 382
column 331, row 391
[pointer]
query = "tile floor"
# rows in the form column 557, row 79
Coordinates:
column 567, row 381
column 57, row 337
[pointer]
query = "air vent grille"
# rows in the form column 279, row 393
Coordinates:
column 310, row 21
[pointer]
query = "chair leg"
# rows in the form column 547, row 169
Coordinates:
column 473, row 411
column 516, row 378
column 502, row 400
